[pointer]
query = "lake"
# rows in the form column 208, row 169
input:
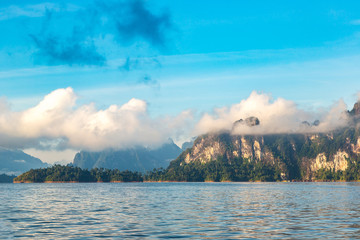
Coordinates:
column 180, row 210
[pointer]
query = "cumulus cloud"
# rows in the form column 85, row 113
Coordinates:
column 275, row 116
column 56, row 122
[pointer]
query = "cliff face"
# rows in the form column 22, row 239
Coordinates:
column 297, row 156
column 356, row 109
column 209, row 147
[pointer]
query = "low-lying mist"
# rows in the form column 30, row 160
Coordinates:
column 275, row 117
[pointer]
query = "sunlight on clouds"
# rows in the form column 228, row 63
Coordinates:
column 276, row 116
column 58, row 123
column 86, row 127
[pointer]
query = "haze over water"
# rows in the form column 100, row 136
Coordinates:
column 180, row 210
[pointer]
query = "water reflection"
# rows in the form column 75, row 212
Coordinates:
column 180, row 210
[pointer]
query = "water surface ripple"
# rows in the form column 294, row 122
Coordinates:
column 180, row 210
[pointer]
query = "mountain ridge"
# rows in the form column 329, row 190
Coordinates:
column 16, row 161
column 139, row 159
column 222, row 156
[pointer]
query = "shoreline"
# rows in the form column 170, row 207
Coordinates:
column 74, row 182
column 285, row 181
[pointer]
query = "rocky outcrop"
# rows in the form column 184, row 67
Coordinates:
column 356, row 147
column 356, row 109
column 297, row 156
column 246, row 149
column 316, row 123
column 205, row 150
column 257, row 150
column 304, row 156
column 210, row 147
column 306, row 124
column 250, row 122
column 338, row 162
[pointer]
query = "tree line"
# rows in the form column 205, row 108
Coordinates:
column 219, row 170
column 59, row 173
column 215, row 171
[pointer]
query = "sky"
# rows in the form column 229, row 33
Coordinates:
column 91, row 75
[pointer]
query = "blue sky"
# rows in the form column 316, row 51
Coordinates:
column 179, row 55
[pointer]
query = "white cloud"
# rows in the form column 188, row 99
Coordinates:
column 20, row 161
column 56, row 122
column 276, row 116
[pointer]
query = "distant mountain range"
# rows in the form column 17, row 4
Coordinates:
column 139, row 159
column 4, row 178
column 16, row 162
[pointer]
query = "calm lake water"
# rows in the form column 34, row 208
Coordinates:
column 180, row 210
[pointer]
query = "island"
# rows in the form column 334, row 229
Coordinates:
column 63, row 174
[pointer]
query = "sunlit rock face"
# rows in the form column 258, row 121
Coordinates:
column 356, row 147
column 337, row 162
column 297, row 156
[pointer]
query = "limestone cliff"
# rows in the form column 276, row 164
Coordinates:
column 297, row 156
column 356, row 109
column 211, row 146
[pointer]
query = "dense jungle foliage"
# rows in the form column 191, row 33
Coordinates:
column 238, row 170
column 60, row 173
column 219, row 170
